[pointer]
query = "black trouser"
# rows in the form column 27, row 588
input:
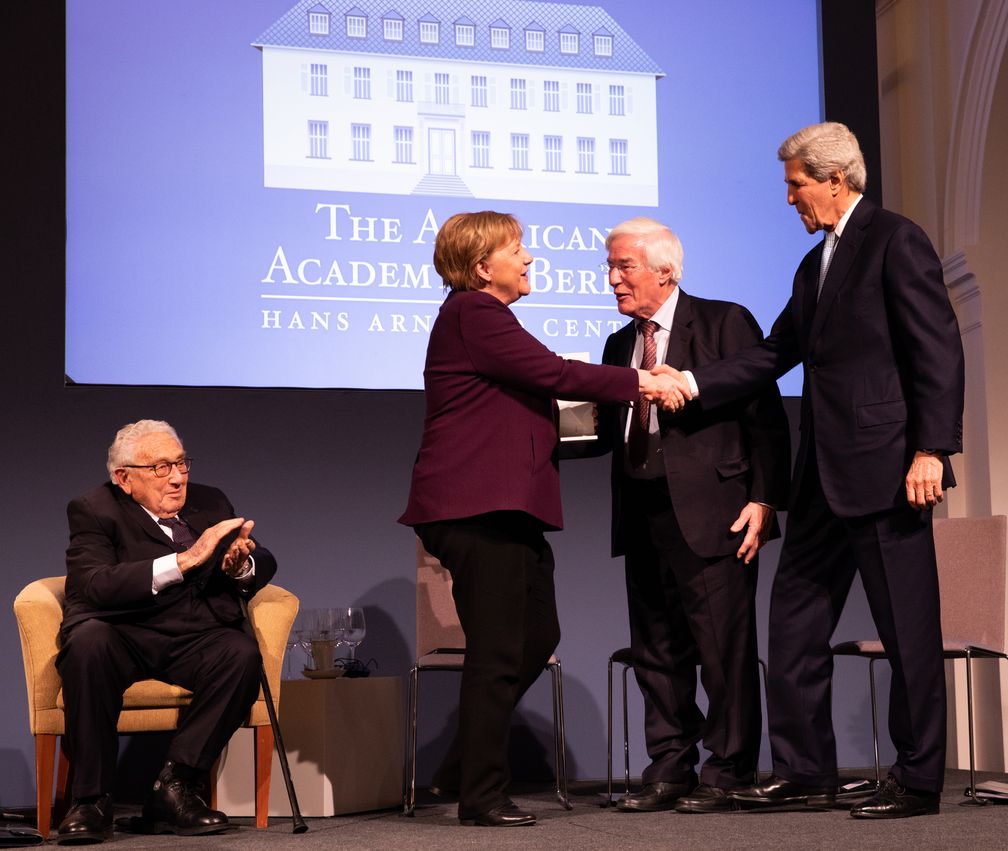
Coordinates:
column 99, row 661
column 502, row 575
column 894, row 554
column 687, row 610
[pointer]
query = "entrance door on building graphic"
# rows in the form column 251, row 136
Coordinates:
column 440, row 151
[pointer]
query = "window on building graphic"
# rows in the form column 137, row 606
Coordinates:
column 603, row 45
column 318, row 78
column 569, row 42
column 584, row 98
column 442, row 88
column 617, row 100
column 551, row 95
column 356, row 26
column 392, row 29
column 430, row 32
column 500, row 38
column 318, row 139
column 478, row 83
column 586, row 155
column 535, row 41
column 404, row 86
column 481, row 148
column 519, row 99
column 318, row 23
column 361, row 83
column 552, row 148
column 360, row 141
column 403, row 137
column 618, row 157
column 519, row 151
column 465, row 35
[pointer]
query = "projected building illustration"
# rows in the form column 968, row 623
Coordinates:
column 487, row 98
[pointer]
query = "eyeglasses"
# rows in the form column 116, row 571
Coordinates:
column 164, row 468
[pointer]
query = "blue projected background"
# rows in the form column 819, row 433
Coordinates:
column 254, row 186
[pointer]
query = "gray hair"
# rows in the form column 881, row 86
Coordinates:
column 662, row 248
column 121, row 451
column 825, row 149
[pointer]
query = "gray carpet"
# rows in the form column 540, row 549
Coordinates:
column 589, row 825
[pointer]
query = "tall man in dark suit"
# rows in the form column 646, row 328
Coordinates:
column 693, row 502
column 870, row 321
column 155, row 570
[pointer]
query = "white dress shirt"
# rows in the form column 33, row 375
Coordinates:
column 654, row 465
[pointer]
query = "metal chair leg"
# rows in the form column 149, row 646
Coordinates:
column 874, row 724
column 559, row 736
column 626, row 735
column 609, row 800
column 756, row 771
column 409, row 767
column 971, row 792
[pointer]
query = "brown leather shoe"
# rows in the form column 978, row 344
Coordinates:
column 896, row 801
column 655, row 797
column 778, row 792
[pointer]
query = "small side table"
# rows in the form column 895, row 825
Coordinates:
column 344, row 741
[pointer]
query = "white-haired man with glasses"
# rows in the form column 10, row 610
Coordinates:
column 155, row 570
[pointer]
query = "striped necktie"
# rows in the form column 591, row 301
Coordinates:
column 828, row 247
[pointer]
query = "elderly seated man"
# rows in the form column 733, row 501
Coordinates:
column 156, row 567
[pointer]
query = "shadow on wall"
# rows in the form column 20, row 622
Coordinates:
column 390, row 613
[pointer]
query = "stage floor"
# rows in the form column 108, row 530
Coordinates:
column 592, row 826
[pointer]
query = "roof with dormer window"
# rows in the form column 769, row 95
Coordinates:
column 291, row 30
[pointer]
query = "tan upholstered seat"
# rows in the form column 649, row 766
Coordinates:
column 972, row 553
column 440, row 646
column 148, row 705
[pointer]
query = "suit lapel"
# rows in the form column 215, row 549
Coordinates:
column 142, row 519
column 625, row 339
column 846, row 252
column 681, row 333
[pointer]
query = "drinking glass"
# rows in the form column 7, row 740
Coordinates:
column 350, row 621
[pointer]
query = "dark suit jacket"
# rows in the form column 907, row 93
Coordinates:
column 715, row 460
column 113, row 544
column 882, row 360
column 490, row 433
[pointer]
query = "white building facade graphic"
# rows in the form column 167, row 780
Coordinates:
column 507, row 100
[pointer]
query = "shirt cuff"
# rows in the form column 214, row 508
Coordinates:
column 166, row 573
column 692, row 383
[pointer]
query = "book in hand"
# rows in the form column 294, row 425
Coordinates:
column 577, row 419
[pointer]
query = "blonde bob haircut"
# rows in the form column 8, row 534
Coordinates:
column 465, row 240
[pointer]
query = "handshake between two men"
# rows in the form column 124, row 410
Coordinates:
column 666, row 386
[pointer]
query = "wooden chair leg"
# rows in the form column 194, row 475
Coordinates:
column 263, row 769
column 62, row 804
column 45, row 754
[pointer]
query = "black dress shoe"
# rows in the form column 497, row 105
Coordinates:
column 655, row 797
column 896, row 801
column 176, row 806
column 506, row 815
column 777, row 792
column 707, row 799
column 87, row 823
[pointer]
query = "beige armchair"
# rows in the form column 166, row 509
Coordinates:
column 148, row 705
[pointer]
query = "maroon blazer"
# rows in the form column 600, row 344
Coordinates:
column 490, row 432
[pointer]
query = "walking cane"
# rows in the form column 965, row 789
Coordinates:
column 298, row 821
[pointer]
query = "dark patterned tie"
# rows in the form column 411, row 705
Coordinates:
column 640, row 425
column 182, row 535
